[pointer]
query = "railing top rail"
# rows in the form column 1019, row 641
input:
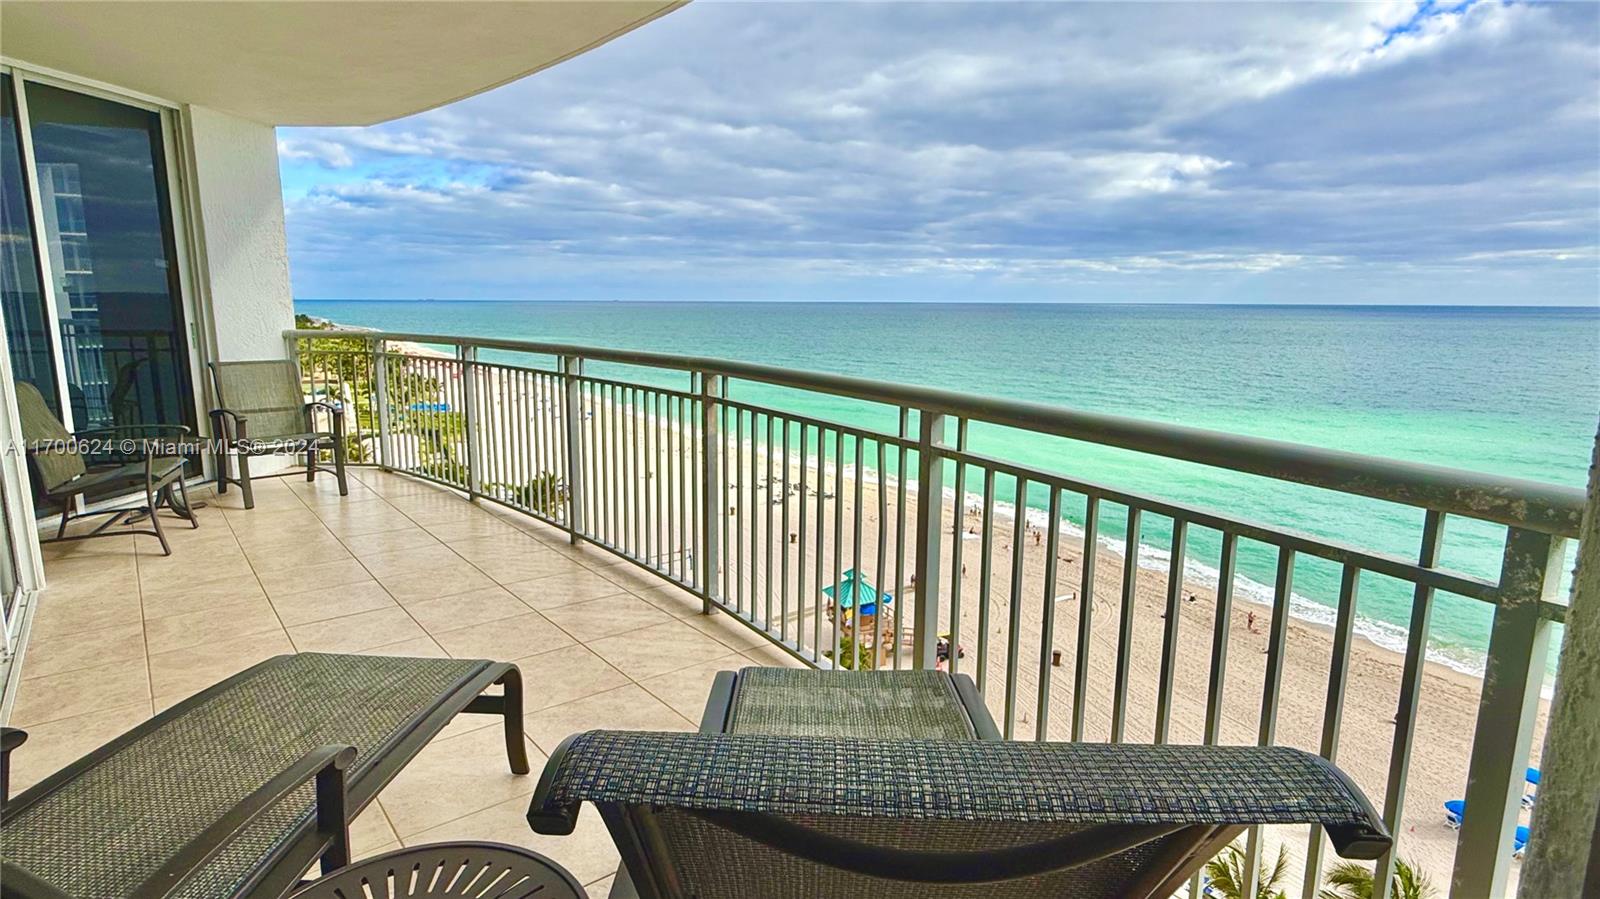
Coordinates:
column 1535, row 505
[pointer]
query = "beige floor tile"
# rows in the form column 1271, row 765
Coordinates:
column 195, row 571
column 322, row 576
column 675, row 601
column 588, row 852
column 83, row 549
column 184, row 671
column 483, row 526
column 445, row 580
column 475, row 549
column 687, row 689
column 650, row 651
column 52, row 746
column 385, row 849
column 510, row 638
column 162, row 603
column 365, row 518
column 86, row 649
column 511, row 568
column 370, row 831
column 410, row 559
column 465, row 609
column 454, row 777
column 630, row 576
column 353, row 633
column 292, row 555
column 389, row 541
column 415, row 648
column 322, row 604
column 83, row 575
column 772, row 657
column 61, row 613
column 725, row 630
column 563, row 589
column 627, row 707
column 601, row 888
column 252, row 616
column 562, row 675
column 73, row 693
column 606, row 616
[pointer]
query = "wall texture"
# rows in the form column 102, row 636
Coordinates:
column 246, row 259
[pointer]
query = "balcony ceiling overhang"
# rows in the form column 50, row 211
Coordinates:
column 294, row 62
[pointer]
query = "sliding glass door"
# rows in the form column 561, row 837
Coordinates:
column 90, row 290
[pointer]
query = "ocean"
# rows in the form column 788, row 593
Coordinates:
column 1511, row 391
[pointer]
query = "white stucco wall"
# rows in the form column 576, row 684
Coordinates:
column 245, row 259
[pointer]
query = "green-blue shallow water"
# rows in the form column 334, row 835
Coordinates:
column 1512, row 391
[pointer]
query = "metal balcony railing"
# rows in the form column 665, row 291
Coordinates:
column 755, row 507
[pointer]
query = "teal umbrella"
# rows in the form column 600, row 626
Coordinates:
column 855, row 587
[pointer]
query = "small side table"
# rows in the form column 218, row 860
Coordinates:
column 448, row 869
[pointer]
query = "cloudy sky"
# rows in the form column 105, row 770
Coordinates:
column 1311, row 152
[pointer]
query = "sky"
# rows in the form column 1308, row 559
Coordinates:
column 1444, row 153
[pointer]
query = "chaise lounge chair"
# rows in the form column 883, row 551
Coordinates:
column 237, row 791
column 261, row 410
column 719, row 816
column 895, row 783
column 60, row 474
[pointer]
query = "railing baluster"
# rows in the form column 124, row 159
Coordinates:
column 985, row 574
column 1080, row 674
column 767, row 505
column 686, row 461
column 1333, row 710
column 838, row 544
column 822, row 528
column 885, row 613
column 1169, row 632
column 1519, row 641
column 711, row 502
column 904, row 434
column 1130, row 583
column 930, row 533
column 1047, row 624
column 380, row 380
column 800, row 552
column 855, row 558
column 783, row 577
column 1019, row 534
column 1222, row 628
column 1405, row 718
column 958, row 572
column 1277, row 634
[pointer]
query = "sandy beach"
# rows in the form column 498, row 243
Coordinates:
column 761, row 535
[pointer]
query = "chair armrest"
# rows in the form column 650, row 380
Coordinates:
column 239, row 422
column 10, row 738
column 969, row 780
column 325, row 764
column 335, row 414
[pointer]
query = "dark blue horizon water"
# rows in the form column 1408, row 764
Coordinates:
column 1505, row 390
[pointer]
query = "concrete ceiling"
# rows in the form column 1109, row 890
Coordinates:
column 311, row 62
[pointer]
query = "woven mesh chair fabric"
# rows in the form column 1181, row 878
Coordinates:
column 266, row 393
column 969, row 780
column 885, row 705
column 714, row 863
column 107, row 829
column 56, row 464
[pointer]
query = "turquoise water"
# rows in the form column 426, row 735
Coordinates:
column 1512, row 391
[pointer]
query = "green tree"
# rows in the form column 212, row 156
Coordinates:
column 1351, row 880
column 1229, row 869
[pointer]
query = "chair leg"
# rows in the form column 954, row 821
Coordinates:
column 188, row 510
column 222, row 471
column 154, row 502
column 338, row 466
column 66, row 509
column 244, row 482
column 511, row 707
column 311, row 462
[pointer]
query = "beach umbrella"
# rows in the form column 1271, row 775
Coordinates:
column 854, row 589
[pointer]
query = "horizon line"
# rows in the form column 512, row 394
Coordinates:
column 1244, row 303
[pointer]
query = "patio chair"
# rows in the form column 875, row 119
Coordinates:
column 727, row 816
column 238, row 790
column 261, row 410
column 60, row 474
